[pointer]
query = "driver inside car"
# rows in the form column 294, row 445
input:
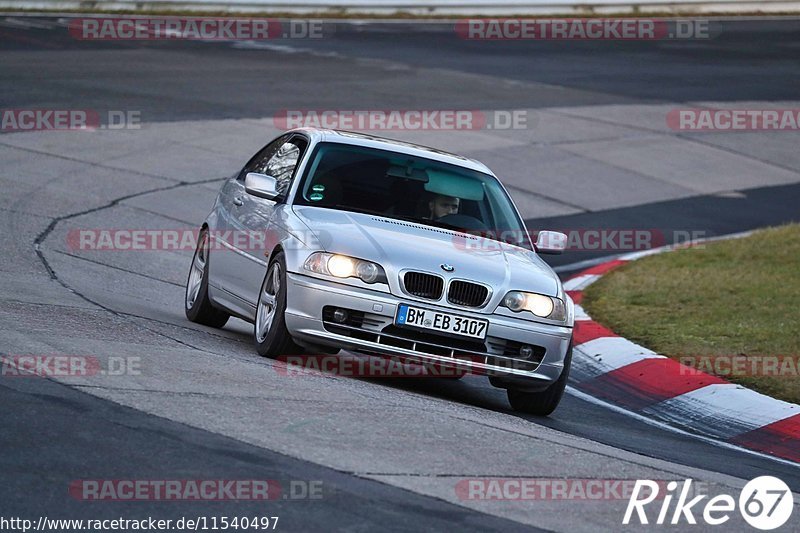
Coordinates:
column 441, row 206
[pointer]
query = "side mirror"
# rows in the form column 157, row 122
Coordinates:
column 261, row 185
column 551, row 242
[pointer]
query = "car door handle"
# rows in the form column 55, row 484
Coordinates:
column 238, row 201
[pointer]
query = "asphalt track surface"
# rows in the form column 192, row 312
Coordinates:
column 196, row 413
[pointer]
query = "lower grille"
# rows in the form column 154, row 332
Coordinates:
column 467, row 294
column 374, row 328
column 515, row 364
column 432, row 338
column 423, row 285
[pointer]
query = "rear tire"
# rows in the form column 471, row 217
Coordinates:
column 197, row 304
column 544, row 402
column 271, row 336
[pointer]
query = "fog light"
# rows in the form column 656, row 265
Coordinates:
column 340, row 315
column 526, row 351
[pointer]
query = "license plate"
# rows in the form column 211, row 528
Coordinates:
column 442, row 322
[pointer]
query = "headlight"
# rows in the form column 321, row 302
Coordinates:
column 368, row 272
column 538, row 304
column 342, row 266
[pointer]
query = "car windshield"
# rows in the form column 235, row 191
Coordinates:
column 415, row 189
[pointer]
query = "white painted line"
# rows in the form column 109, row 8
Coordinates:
column 13, row 22
column 582, row 265
column 580, row 282
column 723, row 410
column 667, row 427
column 602, row 355
column 282, row 48
column 580, row 314
column 633, row 256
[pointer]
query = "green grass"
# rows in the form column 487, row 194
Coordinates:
column 728, row 298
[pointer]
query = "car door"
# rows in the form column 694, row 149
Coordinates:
column 247, row 234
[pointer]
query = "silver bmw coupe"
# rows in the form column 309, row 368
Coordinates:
column 331, row 240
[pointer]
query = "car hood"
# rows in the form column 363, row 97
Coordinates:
column 397, row 245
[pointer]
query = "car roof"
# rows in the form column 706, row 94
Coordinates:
column 382, row 143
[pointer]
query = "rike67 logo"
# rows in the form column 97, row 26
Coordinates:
column 765, row 503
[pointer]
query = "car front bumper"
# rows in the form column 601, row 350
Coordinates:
column 307, row 296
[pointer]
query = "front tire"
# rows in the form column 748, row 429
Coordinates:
column 197, row 304
column 544, row 402
column 271, row 336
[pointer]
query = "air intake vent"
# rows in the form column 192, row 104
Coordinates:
column 467, row 294
column 423, row 285
column 420, row 225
